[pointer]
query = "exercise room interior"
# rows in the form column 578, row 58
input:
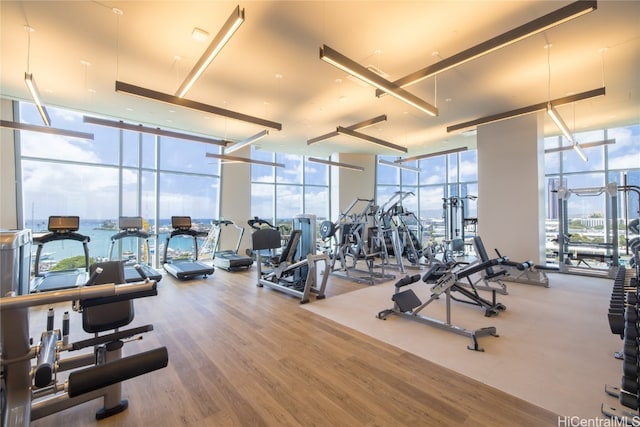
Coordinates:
column 329, row 213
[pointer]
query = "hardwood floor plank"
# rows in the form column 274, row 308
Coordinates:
column 240, row 355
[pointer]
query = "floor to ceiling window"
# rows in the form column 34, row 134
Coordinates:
column 278, row 194
column 613, row 157
column 427, row 184
column 119, row 173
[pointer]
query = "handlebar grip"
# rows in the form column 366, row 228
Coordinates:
column 43, row 375
column 141, row 272
column 407, row 280
column 94, row 276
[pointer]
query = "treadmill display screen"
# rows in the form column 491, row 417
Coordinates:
column 64, row 223
column 130, row 223
column 181, row 222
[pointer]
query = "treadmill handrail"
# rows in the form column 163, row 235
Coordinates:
column 58, row 235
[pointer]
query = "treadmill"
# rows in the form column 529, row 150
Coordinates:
column 60, row 228
column 185, row 268
column 230, row 259
column 131, row 227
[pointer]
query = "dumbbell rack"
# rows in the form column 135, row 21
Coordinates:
column 624, row 320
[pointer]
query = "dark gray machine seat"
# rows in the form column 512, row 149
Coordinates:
column 113, row 315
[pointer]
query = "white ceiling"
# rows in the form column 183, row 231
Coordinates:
column 271, row 68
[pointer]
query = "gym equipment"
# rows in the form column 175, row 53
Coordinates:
column 519, row 272
column 60, row 228
column 185, row 268
column 624, row 320
column 132, row 227
column 407, row 304
column 351, row 243
column 296, row 271
column 29, row 392
column 606, row 253
column 229, row 259
column 401, row 230
column 454, row 214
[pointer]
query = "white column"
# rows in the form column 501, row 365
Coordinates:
column 511, row 187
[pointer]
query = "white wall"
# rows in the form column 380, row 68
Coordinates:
column 510, row 187
column 348, row 184
column 8, row 214
column 235, row 201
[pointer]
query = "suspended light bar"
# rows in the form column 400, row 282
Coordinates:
column 577, row 149
column 45, row 129
column 351, row 67
column 425, row 156
column 398, row 165
column 235, row 159
column 529, row 109
column 344, row 131
column 248, row 141
column 536, row 26
column 583, row 145
column 361, row 125
column 553, row 113
column 153, row 131
column 337, row 164
column 194, row 105
column 233, row 22
column 33, row 90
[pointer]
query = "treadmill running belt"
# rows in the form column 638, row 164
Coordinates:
column 53, row 281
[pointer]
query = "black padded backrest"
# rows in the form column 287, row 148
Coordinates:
column 482, row 252
column 292, row 244
column 265, row 238
column 105, row 317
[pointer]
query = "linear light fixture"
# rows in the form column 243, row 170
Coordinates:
column 153, row 131
column 398, row 165
column 45, row 129
column 526, row 110
column 557, row 119
column 536, row 26
column 577, row 149
column 247, row 141
column 194, row 105
column 351, row 67
column 33, row 90
column 337, row 164
column 360, row 125
column 426, row 156
column 228, row 29
column 583, row 145
column 553, row 113
column 354, row 134
column 237, row 159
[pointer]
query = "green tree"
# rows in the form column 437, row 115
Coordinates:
column 71, row 263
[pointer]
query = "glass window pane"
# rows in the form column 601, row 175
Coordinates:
column 187, row 156
column 292, row 172
column 469, row 166
column 625, row 153
column 130, row 195
column 263, row 201
column 316, row 202
column 409, row 177
column 148, row 151
column 433, row 170
column 188, row 195
column 452, row 166
column 316, row 173
column 552, row 160
column 288, row 203
column 431, row 214
column 130, row 148
column 385, row 174
column 262, row 173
